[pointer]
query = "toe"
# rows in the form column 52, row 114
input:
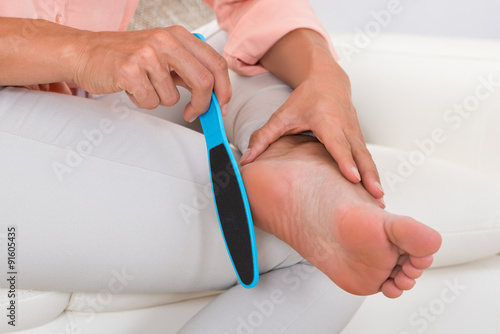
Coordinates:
column 411, row 271
column 395, row 271
column 390, row 289
column 404, row 282
column 422, row 262
column 412, row 236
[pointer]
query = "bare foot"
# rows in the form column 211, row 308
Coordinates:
column 297, row 193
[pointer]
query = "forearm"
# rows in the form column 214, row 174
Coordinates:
column 300, row 55
column 37, row 51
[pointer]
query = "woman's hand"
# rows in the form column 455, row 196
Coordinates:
column 321, row 103
column 149, row 64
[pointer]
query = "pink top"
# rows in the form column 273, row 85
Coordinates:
column 254, row 25
column 96, row 15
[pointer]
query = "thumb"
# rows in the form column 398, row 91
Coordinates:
column 260, row 140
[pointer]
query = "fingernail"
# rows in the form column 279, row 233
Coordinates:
column 381, row 201
column 379, row 187
column 224, row 109
column 245, row 155
column 191, row 120
column 356, row 173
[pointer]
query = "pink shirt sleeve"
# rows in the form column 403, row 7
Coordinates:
column 256, row 25
column 96, row 15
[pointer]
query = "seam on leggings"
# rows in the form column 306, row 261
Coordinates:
column 280, row 265
column 304, row 311
column 249, row 100
column 102, row 158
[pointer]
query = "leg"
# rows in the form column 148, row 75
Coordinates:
column 293, row 300
column 96, row 187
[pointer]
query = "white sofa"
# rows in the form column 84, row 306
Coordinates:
column 437, row 163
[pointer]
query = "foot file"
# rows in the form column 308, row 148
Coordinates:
column 231, row 202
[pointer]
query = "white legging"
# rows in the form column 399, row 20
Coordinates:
column 95, row 186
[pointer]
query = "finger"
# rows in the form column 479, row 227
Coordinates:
column 60, row 87
column 179, row 82
column 164, row 87
column 381, row 203
column 32, row 87
column 173, row 56
column 260, row 140
column 197, row 78
column 200, row 67
column 44, row 87
column 141, row 92
column 336, row 143
column 134, row 77
column 214, row 62
column 366, row 167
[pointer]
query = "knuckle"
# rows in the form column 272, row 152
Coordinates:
column 179, row 30
column 165, row 39
column 171, row 99
column 268, row 132
column 145, row 52
column 149, row 101
column 364, row 150
column 324, row 104
column 257, row 137
column 129, row 69
column 359, row 145
column 220, row 63
column 332, row 116
column 281, row 122
column 341, row 142
column 352, row 126
column 206, row 81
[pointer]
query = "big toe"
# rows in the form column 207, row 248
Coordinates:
column 412, row 236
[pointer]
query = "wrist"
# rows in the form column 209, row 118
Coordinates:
column 60, row 50
column 49, row 51
column 298, row 56
column 74, row 52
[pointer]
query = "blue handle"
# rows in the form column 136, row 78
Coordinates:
column 233, row 209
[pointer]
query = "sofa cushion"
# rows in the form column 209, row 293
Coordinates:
column 459, row 202
column 33, row 308
column 457, row 299
column 408, row 89
column 105, row 301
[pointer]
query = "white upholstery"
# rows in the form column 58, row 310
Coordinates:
column 458, row 299
column 398, row 81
